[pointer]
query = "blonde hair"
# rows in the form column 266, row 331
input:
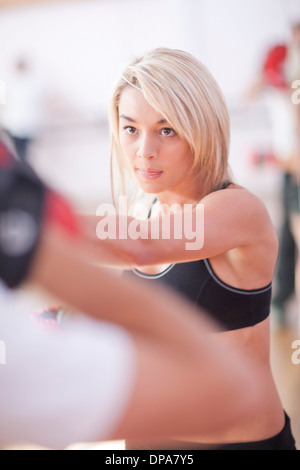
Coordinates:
column 184, row 92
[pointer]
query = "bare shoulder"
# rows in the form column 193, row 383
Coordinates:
column 239, row 200
column 247, row 231
column 243, row 212
column 231, row 192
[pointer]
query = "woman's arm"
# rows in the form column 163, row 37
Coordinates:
column 223, row 221
column 186, row 382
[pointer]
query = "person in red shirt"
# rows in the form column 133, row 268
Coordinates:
column 281, row 68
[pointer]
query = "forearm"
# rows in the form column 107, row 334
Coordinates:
column 131, row 243
column 188, row 234
column 107, row 249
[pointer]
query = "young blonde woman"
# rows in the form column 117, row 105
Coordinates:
column 110, row 376
column 170, row 132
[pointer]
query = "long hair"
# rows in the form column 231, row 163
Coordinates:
column 185, row 93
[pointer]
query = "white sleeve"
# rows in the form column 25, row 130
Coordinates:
column 62, row 387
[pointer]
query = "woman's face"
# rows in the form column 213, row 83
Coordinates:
column 158, row 157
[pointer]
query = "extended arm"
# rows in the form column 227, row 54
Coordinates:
column 224, row 220
column 185, row 382
column 183, row 374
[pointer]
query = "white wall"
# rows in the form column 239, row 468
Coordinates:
column 238, row 33
column 80, row 46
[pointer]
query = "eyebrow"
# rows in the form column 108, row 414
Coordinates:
column 123, row 116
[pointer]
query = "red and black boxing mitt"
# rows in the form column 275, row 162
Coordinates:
column 25, row 205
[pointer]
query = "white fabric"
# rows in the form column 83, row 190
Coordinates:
column 58, row 388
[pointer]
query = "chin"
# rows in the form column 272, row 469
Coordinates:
column 150, row 187
column 149, row 190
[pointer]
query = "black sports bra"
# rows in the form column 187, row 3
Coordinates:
column 231, row 307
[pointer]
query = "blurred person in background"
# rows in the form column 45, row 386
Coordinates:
column 6, row 147
column 23, row 113
column 170, row 135
column 123, row 372
column 280, row 69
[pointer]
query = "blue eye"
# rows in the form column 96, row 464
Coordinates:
column 168, row 132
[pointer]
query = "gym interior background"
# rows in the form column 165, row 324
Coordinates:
column 76, row 50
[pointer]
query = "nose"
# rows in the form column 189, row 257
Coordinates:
column 147, row 148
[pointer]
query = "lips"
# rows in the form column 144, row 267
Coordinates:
column 149, row 174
